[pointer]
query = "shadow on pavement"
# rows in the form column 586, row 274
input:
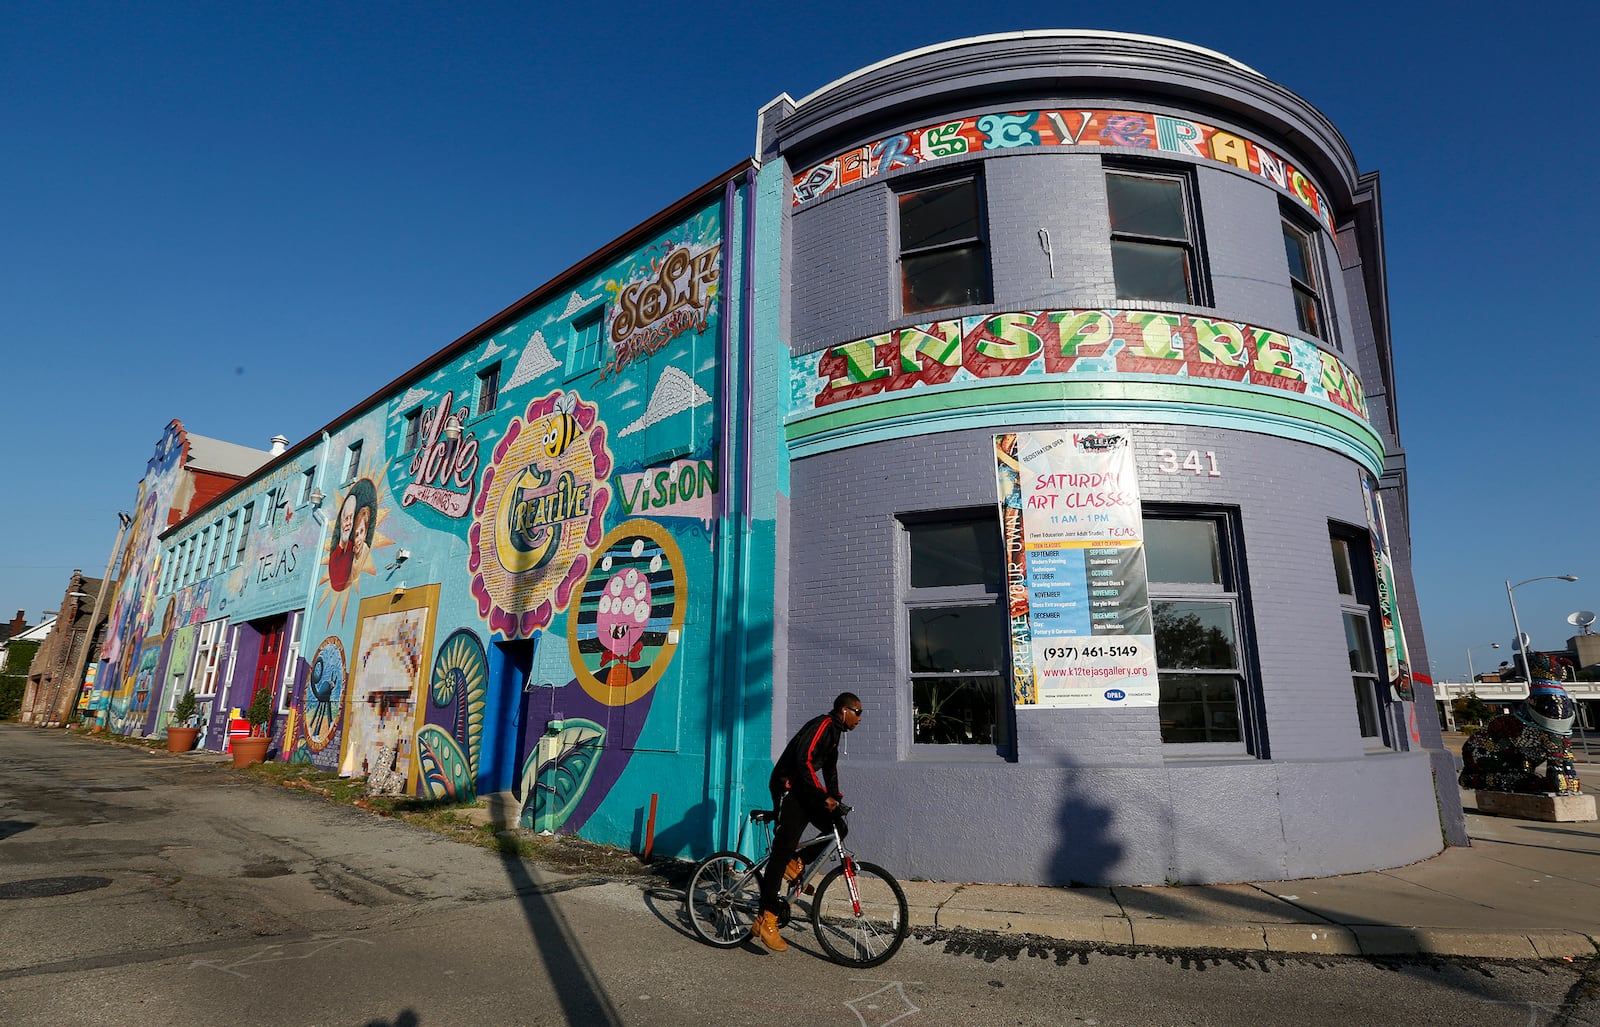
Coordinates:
column 583, row 998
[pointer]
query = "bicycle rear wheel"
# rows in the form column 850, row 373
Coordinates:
column 864, row 929
column 723, row 899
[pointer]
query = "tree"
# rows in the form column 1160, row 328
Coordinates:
column 1470, row 709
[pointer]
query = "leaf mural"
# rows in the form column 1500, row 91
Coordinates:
column 461, row 677
column 443, row 769
column 557, row 773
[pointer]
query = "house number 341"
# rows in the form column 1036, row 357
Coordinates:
column 1195, row 462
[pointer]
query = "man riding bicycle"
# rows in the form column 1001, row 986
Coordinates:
column 805, row 790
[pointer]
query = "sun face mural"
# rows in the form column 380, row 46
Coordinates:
column 350, row 544
column 539, row 513
column 624, row 631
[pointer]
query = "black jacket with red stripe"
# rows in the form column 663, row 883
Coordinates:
column 809, row 766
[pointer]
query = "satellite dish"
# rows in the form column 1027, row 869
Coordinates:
column 1521, row 642
column 1581, row 619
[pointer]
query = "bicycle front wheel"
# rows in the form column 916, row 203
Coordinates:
column 865, row 928
column 723, row 899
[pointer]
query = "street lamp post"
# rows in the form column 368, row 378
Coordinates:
column 1522, row 640
column 1472, row 682
column 1472, row 675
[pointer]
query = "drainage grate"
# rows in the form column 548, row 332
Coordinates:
column 49, row 887
column 115, row 788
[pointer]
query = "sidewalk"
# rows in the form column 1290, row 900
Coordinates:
column 1523, row 890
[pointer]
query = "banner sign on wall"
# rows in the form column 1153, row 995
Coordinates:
column 1394, row 635
column 1077, row 592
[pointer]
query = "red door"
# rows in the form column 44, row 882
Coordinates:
column 269, row 657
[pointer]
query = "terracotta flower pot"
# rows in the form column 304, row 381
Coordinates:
column 181, row 739
column 250, row 750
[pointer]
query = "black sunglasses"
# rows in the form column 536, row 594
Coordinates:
column 856, row 710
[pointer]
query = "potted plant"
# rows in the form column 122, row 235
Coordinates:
column 184, row 728
column 253, row 749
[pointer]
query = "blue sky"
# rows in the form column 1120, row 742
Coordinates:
column 249, row 217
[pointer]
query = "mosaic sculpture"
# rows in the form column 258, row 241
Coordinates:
column 1529, row 751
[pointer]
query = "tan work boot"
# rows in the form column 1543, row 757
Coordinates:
column 767, row 930
column 792, row 872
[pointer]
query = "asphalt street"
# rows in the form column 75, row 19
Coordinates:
column 142, row 888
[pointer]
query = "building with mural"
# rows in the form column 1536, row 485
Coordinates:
column 1037, row 388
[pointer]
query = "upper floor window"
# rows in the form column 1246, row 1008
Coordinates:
column 352, row 462
column 215, row 548
column 488, row 389
column 245, row 516
column 227, row 544
column 308, row 482
column 413, row 431
column 1207, row 692
column 1304, row 278
column 943, row 255
column 957, row 633
column 588, row 343
column 1154, row 250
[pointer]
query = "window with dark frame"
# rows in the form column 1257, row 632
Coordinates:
column 1202, row 656
column 944, row 258
column 413, row 431
column 956, row 632
column 1356, row 580
column 245, row 516
column 1304, row 279
column 352, row 461
column 488, row 389
column 1154, row 247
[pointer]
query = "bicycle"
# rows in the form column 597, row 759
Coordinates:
column 858, row 911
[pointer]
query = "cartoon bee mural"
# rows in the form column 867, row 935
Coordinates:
column 564, row 427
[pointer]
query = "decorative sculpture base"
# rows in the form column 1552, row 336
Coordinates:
column 1560, row 808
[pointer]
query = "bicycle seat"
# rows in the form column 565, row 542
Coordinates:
column 763, row 816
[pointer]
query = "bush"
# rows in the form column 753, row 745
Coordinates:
column 11, row 688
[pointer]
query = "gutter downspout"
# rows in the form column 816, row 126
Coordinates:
column 746, row 461
column 720, row 729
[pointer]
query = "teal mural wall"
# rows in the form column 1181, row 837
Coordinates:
column 517, row 570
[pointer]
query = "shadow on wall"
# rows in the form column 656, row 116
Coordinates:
column 688, row 838
column 1086, row 853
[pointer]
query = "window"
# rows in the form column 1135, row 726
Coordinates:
column 308, row 481
column 208, row 654
column 168, row 558
column 227, row 544
column 244, row 531
column 291, row 665
column 588, row 343
column 943, row 257
column 192, row 547
column 488, row 389
column 1153, row 250
column 215, row 547
column 1304, row 279
column 1202, row 655
column 413, row 431
column 1355, row 577
column 957, row 634
column 352, row 461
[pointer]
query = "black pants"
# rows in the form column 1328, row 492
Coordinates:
column 793, row 816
